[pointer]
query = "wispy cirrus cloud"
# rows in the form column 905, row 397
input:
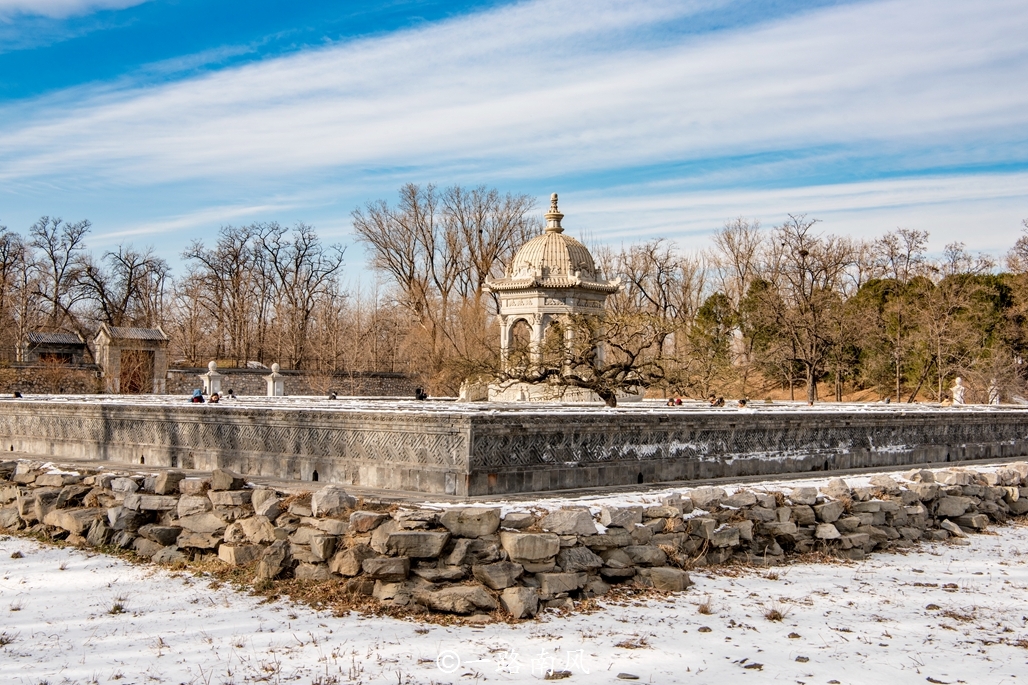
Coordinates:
column 542, row 92
column 541, row 82
column 59, row 9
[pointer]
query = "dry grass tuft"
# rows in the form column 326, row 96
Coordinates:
column 776, row 612
column 636, row 643
column 705, row 607
column 963, row 617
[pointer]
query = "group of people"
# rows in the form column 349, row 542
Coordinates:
column 713, row 400
column 213, row 399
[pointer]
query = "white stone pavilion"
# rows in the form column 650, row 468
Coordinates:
column 551, row 276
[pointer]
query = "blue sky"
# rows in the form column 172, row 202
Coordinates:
column 161, row 121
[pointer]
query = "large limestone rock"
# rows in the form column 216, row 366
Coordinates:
column 99, row 534
column 323, row 546
column 440, row 575
column 417, row 544
column 239, row 555
column 569, row 522
column 558, row 583
column 725, row 537
column 75, row 521
column 389, row 569
column 273, row 561
column 203, row 523
column 826, row 531
column 829, row 512
column 462, row 599
column 167, row 482
column 169, row 555
column 517, row 520
column 199, row 540
column 520, row 602
column 155, row 502
column 124, row 485
column 380, row 536
column 740, row 499
column 229, row 498
column 886, row 483
column 707, row 498
column 836, row 488
column 499, row 575
column 121, row 518
column 266, row 503
column 573, row 559
column 775, row 529
column 315, row 572
column 529, row 546
column 333, row 501
column 950, row 507
column 622, row 517
column 471, row 522
column 366, row 521
column 258, row 530
column 146, row 548
column 646, row 555
column 53, row 480
column 803, row 495
column 224, row 479
column 667, row 579
column 165, row 535
column 348, row 562
column 188, row 505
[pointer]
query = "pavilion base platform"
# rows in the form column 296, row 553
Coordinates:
column 485, row 449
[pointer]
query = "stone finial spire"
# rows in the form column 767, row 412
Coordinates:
column 553, row 217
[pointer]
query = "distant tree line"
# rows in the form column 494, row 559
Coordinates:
column 789, row 310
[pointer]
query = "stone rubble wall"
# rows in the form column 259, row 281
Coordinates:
column 472, row 560
column 50, row 380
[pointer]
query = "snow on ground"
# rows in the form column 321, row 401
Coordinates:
column 450, row 406
column 940, row 614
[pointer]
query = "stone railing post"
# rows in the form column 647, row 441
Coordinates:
column 276, row 382
column 211, row 379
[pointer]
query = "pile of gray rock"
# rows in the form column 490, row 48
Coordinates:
column 474, row 560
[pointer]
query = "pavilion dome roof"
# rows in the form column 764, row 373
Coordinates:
column 553, row 260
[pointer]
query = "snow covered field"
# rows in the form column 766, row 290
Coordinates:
column 942, row 614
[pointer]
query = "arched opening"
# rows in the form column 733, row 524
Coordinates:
column 314, row 476
column 640, row 479
column 142, row 459
column 519, row 353
column 554, row 349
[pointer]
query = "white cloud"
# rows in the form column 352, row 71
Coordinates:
column 206, row 216
column 543, row 90
column 545, row 86
column 59, row 9
column 983, row 210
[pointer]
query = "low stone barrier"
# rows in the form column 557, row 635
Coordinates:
column 475, row 560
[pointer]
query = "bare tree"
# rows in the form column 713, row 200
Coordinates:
column 303, row 271
column 806, row 272
column 127, row 289
column 228, row 280
column 62, row 246
column 1017, row 257
column 438, row 249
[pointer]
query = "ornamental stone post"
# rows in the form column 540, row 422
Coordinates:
column 276, row 382
column 211, row 379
